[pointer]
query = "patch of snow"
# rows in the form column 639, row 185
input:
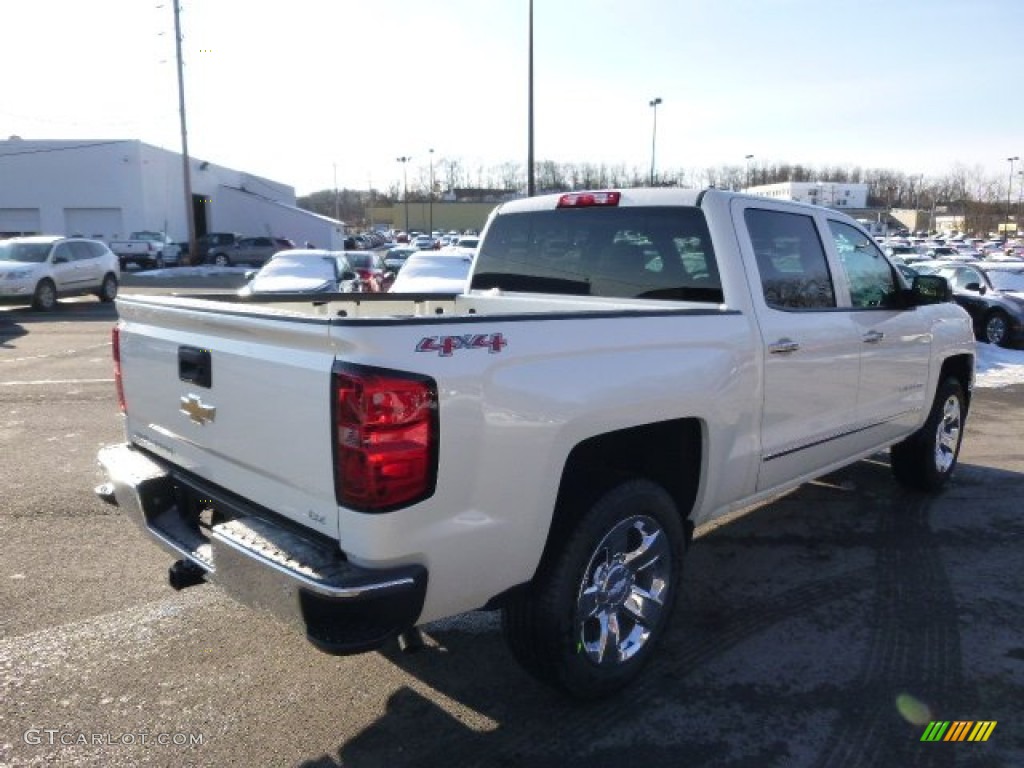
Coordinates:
column 997, row 366
column 205, row 270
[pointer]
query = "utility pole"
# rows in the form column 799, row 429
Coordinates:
column 404, row 160
column 1009, row 187
column 186, row 171
column 431, row 192
column 531, row 185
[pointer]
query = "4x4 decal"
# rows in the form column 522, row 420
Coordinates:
column 446, row 345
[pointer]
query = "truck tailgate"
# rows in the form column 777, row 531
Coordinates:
column 242, row 400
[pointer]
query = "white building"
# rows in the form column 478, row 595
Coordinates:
column 106, row 189
column 828, row 193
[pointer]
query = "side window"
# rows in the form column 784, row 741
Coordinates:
column 872, row 278
column 81, row 251
column 791, row 260
column 63, row 254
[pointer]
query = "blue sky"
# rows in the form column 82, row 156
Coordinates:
column 296, row 89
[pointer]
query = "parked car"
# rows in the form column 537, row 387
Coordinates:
column 248, row 250
column 38, row 270
column 424, row 242
column 146, row 249
column 395, row 258
column 304, row 271
column 466, row 244
column 428, row 272
column 993, row 294
column 371, row 269
column 204, row 243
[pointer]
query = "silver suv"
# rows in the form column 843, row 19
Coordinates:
column 38, row 270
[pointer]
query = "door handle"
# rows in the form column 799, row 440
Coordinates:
column 873, row 337
column 783, row 347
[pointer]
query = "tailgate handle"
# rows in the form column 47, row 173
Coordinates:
column 194, row 366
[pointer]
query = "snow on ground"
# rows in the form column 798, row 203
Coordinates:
column 205, row 270
column 998, row 367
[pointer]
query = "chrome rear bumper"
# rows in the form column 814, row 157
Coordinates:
column 263, row 561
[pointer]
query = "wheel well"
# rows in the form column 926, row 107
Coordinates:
column 961, row 368
column 668, row 453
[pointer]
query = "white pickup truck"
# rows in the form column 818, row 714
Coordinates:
column 147, row 250
column 624, row 365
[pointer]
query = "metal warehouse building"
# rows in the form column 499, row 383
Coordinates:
column 106, row 189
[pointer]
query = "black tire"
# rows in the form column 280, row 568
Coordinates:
column 599, row 604
column 159, row 262
column 926, row 459
column 123, row 263
column 108, row 289
column 997, row 328
column 222, row 260
column 45, row 297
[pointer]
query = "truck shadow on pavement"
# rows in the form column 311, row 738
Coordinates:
column 10, row 329
column 823, row 629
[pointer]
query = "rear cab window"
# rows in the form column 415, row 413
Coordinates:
column 648, row 252
column 791, row 260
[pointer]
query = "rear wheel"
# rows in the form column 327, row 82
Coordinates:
column 926, row 459
column 997, row 328
column 597, row 608
column 45, row 297
column 222, row 260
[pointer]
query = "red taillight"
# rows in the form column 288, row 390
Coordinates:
column 385, row 438
column 588, row 199
column 115, row 344
column 364, row 274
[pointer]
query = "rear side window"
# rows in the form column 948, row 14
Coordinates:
column 627, row 252
column 791, row 260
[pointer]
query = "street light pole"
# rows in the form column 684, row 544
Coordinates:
column 404, row 160
column 190, row 213
column 1009, row 187
column 653, row 104
column 431, row 192
column 748, row 158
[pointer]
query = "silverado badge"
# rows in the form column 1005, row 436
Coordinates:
column 193, row 407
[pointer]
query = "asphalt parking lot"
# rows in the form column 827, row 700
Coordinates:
column 826, row 629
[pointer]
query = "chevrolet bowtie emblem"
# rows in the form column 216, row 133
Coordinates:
column 193, row 407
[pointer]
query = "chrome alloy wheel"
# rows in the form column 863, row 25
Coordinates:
column 947, row 436
column 623, row 591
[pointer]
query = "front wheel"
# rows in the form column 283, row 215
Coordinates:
column 108, row 290
column 926, row 459
column 997, row 328
column 222, row 260
column 597, row 608
column 45, row 297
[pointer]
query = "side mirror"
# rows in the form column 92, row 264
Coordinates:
column 930, row 289
column 976, row 287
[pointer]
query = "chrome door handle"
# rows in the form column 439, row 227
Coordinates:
column 783, row 347
column 873, row 337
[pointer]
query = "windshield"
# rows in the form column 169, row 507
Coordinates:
column 629, row 252
column 1005, row 280
column 29, row 253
